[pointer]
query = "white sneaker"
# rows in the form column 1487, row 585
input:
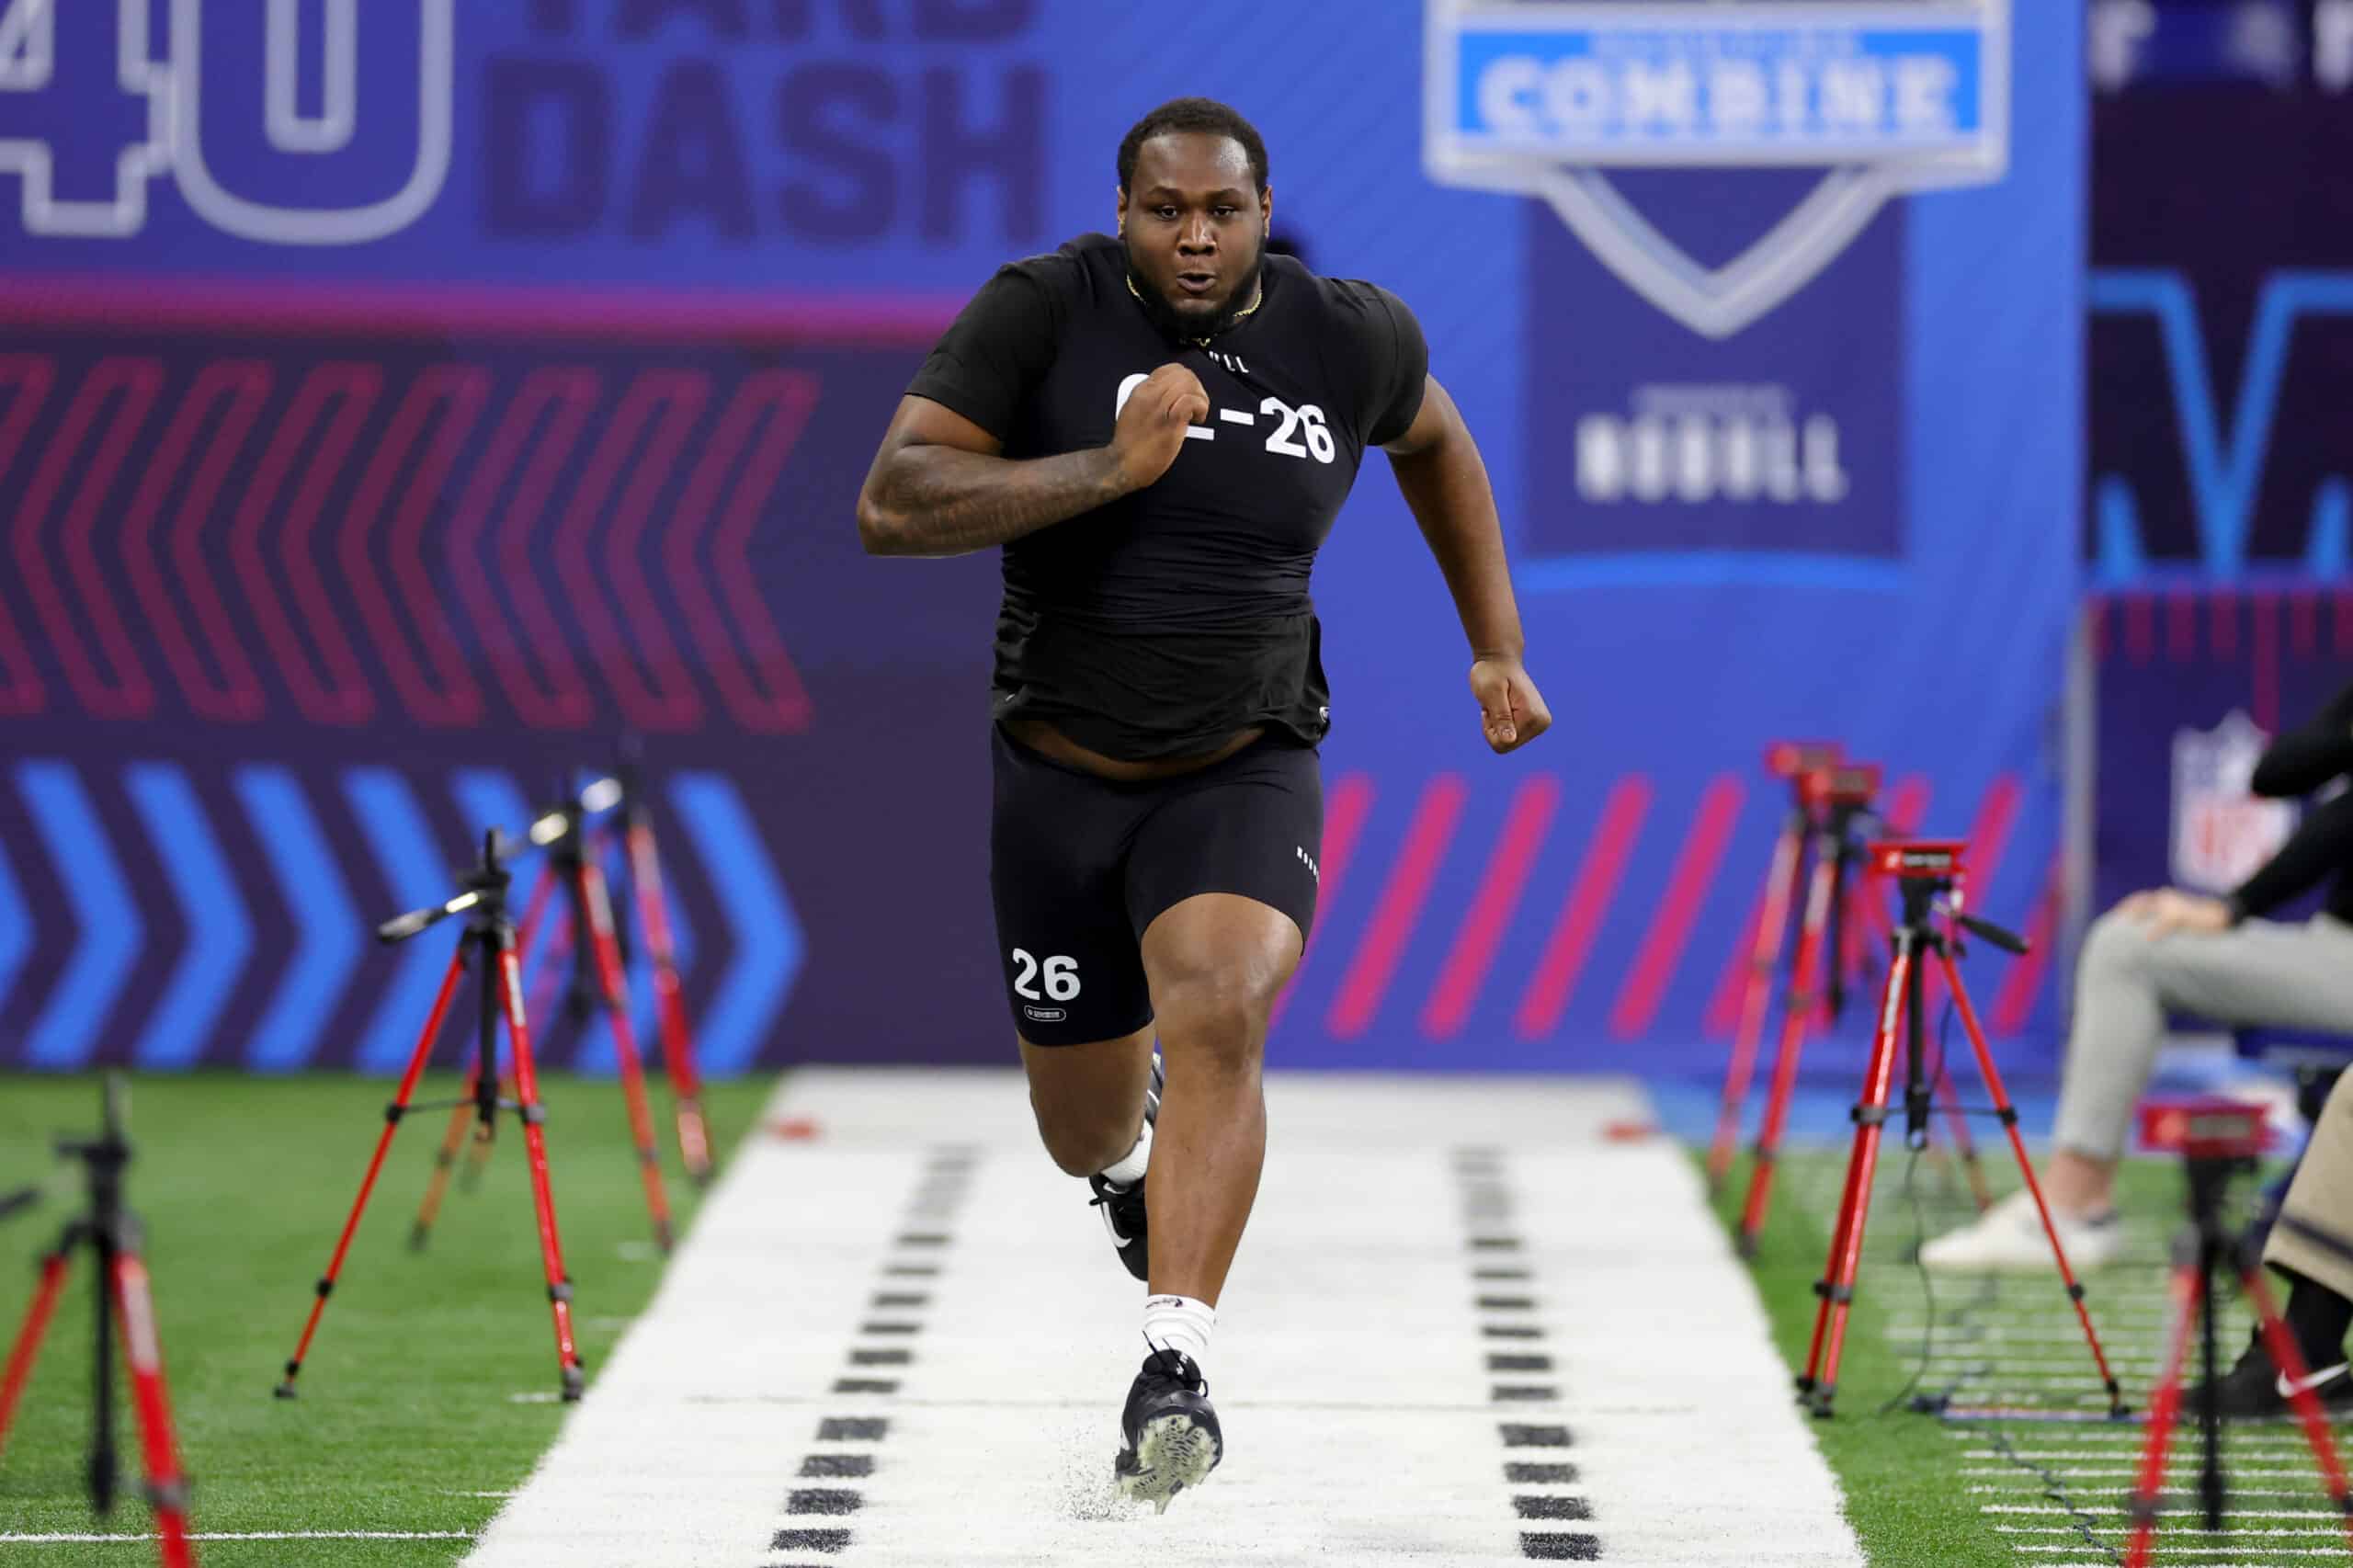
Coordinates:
column 2009, row 1237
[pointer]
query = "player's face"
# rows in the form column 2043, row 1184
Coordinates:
column 1195, row 222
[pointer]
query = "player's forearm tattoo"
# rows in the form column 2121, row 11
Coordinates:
column 942, row 501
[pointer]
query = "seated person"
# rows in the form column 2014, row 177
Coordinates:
column 2320, row 1279
column 2211, row 957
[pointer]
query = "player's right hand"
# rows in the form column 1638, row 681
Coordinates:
column 1151, row 431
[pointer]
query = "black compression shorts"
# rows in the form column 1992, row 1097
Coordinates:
column 1079, row 866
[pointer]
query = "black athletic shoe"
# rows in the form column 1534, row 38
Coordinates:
column 1173, row 1436
column 1122, row 1207
column 2255, row 1389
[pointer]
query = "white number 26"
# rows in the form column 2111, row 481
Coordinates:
column 1060, row 972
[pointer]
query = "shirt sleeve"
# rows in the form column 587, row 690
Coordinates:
column 1393, row 363
column 2301, row 760
column 987, row 363
column 2322, row 842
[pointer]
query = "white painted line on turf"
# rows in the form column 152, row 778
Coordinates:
column 1348, row 1367
column 67, row 1540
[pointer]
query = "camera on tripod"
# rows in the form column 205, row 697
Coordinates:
column 2206, row 1128
column 1849, row 786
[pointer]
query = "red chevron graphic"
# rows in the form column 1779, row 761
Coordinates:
column 136, row 381
column 239, row 698
column 1526, row 821
column 1686, row 888
column 784, row 705
column 682, row 395
column 2022, row 986
column 461, row 390
column 1398, row 908
column 614, row 447
column 1591, row 891
column 240, row 695
column 31, row 375
column 1350, row 803
column 354, row 387
column 573, row 393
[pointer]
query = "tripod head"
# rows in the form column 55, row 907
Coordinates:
column 484, row 898
column 1793, row 760
column 1927, row 871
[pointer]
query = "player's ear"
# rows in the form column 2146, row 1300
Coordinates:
column 1267, row 213
column 1119, row 211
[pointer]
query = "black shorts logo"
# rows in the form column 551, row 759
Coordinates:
column 1044, row 1015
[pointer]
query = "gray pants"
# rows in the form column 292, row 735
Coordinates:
column 2262, row 972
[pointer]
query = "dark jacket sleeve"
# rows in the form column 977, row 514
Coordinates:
column 2322, row 843
column 2303, row 760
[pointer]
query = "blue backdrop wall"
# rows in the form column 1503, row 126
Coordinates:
column 403, row 401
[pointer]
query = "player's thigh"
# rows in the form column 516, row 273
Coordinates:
column 1073, row 976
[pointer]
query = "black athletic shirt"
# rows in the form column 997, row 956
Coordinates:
column 2298, row 763
column 1160, row 624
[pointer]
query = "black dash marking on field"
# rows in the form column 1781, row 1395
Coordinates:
column 839, row 1500
column 1500, row 1273
column 1559, row 1546
column 1519, row 1472
column 1506, row 1303
column 1496, row 1244
column 912, row 1271
column 923, row 1239
column 890, row 1328
column 1523, row 1394
column 1528, row 1436
column 866, row 1385
column 1520, row 1363
column 1512, row 1331
column 810, row 1540
column 837, row 1465
column 900, row 1298
column 1531, row 1507
column 880, row 1357
column 852, row 1429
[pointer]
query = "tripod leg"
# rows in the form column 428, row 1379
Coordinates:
column 614, row 985
column 54, row 1268
column 2303, row 1401
column 2165, row 1406
column 393, row 1114
column 1772, row 929
column 166, row 1488
column 1837, row 1287
column 479, row 1148
column 677, row 1045
column 445, row 1159
column 1795, row 1018
column 1957, row 1124
column 527, row 1086
column 2008, row 1114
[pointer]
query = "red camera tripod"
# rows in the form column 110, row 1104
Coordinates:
column 1928, row 873
column 2217, row 1139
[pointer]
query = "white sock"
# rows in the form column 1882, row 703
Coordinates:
column 1128, row 1170
column 1180, row 1323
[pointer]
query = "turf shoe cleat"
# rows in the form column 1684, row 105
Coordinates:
column 1173, row 1438
column 2010, row 1237
column 1122, row 1207
column 2255, row 1389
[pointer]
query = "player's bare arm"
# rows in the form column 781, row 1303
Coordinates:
column 939, row 485
column 1443, row 480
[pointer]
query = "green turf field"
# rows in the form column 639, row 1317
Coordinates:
column 2009, row 1491
column 429, row 1391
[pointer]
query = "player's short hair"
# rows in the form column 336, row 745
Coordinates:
column 1193, row 113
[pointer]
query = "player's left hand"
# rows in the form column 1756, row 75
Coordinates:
column 1511, row 710
column 2164, row 911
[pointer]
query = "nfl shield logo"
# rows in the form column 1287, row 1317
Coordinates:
column 2221, row 835
column 1884, row 96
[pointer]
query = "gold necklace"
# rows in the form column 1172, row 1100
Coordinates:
column 1258, row 297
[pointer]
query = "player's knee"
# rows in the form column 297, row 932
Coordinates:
column 2115, row 945
column 1215, row 1021
column 1080, row 1144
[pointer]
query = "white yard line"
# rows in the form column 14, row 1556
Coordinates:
column 1349, row 1367
column 67, row 1540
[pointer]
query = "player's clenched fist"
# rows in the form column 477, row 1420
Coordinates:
column 1151, row 431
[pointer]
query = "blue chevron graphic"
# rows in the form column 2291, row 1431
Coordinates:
column 2224, row 473
column 327, row 924
column 418, row 872
column 767, row 942
column 66, row 1033
column 219, row 932
column 16, row 929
